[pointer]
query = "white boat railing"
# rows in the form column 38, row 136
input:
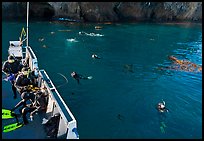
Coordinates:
column 67, row 123
column 33, row 62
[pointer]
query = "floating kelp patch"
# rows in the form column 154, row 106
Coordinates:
column 184, row 65
column 181, row 65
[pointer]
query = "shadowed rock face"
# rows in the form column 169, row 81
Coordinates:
column 18, row 10
column 107, row 11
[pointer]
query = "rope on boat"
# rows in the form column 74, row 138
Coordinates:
column 64, row 78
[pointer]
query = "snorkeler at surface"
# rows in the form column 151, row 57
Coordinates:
column 161, row 107
column 79, row 76
column 11, row 67
column 94, row 56
column 128, row 68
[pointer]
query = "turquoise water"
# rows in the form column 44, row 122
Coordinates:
column 114, row 90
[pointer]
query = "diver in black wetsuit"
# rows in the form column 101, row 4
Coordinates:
column 11, row 67
column 37, row 102
column 23, row 79
column 94, row 56
column 25, row 96
column 161, row 107
column 79, row 76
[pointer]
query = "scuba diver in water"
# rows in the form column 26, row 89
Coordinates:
column 79, row 76
column 94, row 56
column 161, row 107
column 128, row 68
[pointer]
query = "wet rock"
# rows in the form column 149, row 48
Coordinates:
column 107, row 11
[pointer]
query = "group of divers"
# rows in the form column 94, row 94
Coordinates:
column 34, row 98
column 25, row 82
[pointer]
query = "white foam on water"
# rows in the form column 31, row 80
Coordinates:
column 72, row 40
column 91, row 34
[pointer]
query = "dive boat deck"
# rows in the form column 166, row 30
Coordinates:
column 65, row 127
column 34, row 130
column 61, row 122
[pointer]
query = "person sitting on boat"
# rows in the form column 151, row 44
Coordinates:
column 23, row 80
column 31, row 102
column 25, row 96
column 94, row 56
column 79, row 76
column 34, row 77
column 38, row 105
column 161, row 107
column 11, row 67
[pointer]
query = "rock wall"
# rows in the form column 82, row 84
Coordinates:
column 107, row 11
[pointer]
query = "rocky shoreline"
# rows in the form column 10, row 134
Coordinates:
column 107, row 11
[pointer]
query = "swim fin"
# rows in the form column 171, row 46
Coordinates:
column 13, row 126
column 6, row 114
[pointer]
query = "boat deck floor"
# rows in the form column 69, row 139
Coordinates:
column 33, row 130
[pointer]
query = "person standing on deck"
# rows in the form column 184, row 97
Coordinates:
column 11, row 67
column 23, row 80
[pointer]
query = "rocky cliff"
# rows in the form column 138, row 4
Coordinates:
column 107, row 11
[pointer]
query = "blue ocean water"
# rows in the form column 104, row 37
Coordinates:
column 117, row 102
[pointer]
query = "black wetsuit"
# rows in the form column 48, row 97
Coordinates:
column 12, row 68
column 78, row 77
column 25, row 96
column 21, row 82
column 38, row 104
